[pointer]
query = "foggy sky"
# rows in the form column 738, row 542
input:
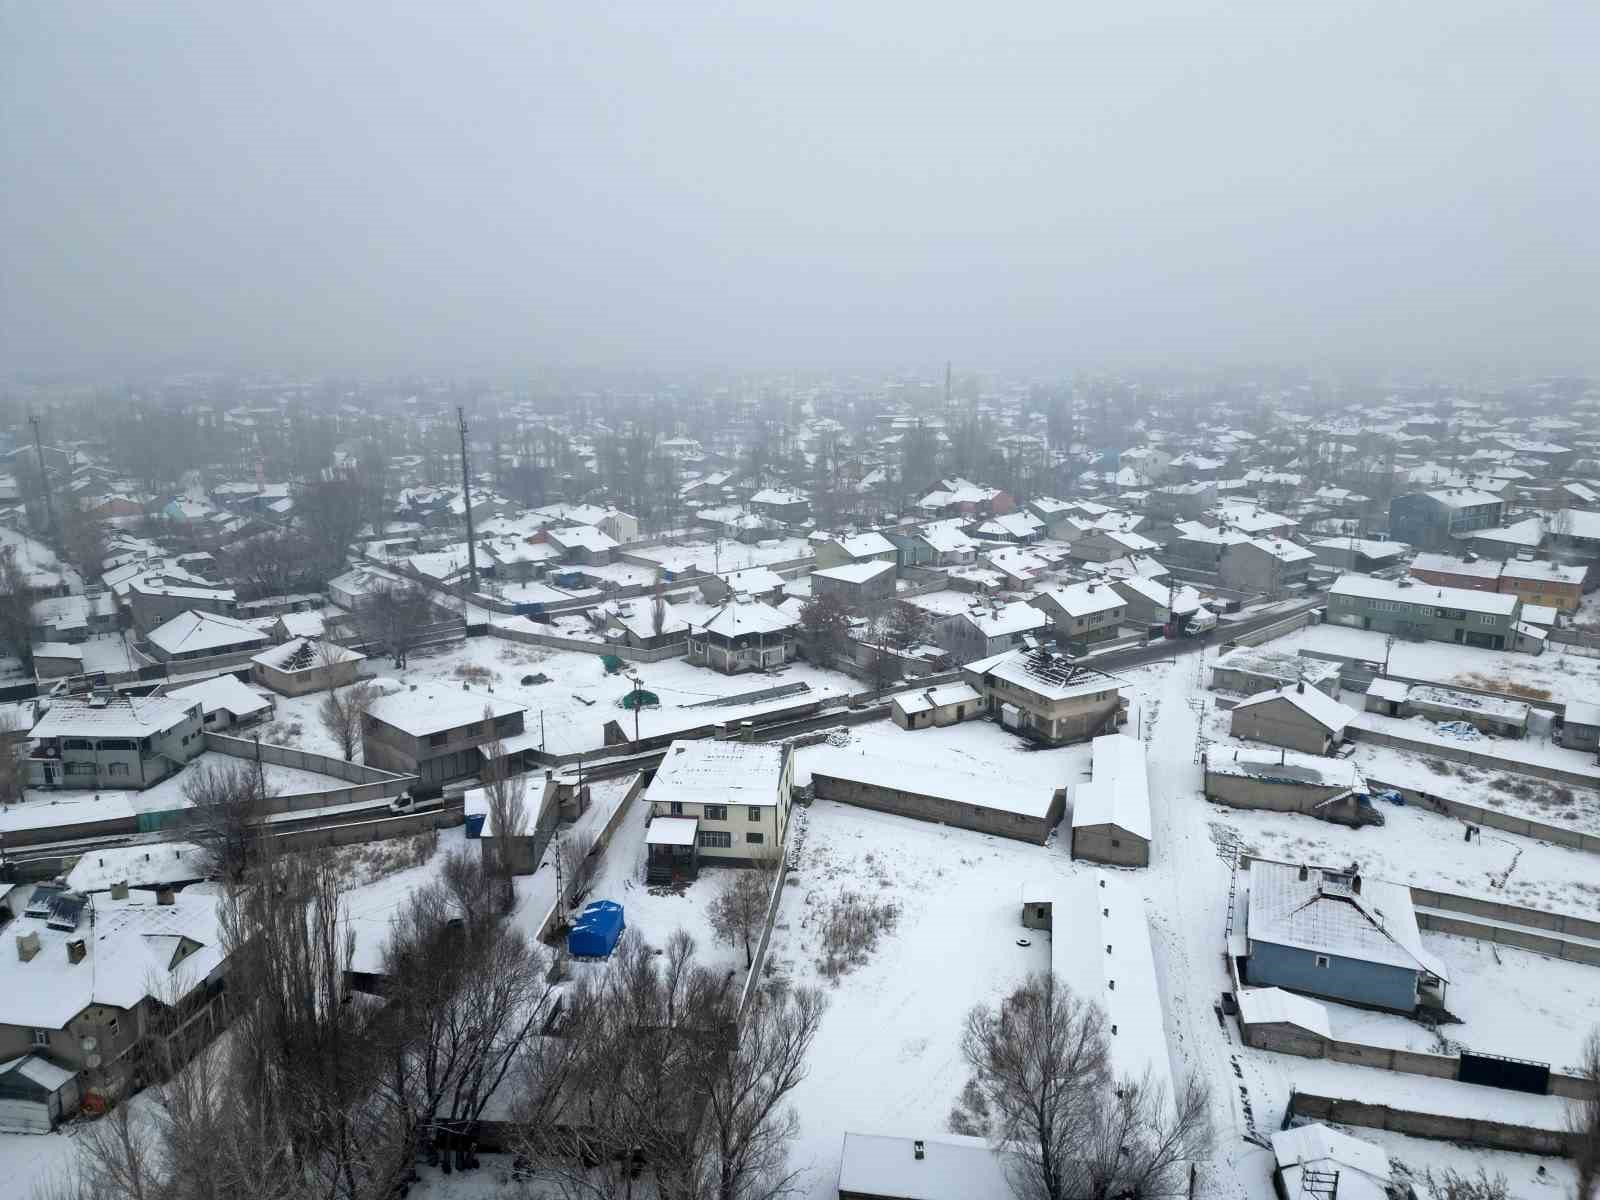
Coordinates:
column 672, row 182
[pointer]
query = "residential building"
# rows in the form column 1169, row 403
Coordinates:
column 103, row 987
column 1306, row 1154
column 645, row 623
column 786, row 508
column 1297, row 718
column 743, row 635
column 758, row 583
column 1104, row 545
column 1336, row 934
column 855, row 548
column 1580, row 726
column 1269, row 565
column 1043, row 696
column 197, row 634
column 157, row 597
column 582, row 544
column 1433, row 520
column 936, row 706
column 736, row 793
column 1555, row 585
column 305, row 665
column 989, row 627
column 1200, row 547
column 1470, row 572
column 112, row 740
column 1248, row 670
column 74, row 618
column 435, row 732
column 857, row 585
column 225, row 703
column 1083, row 612
column 1365, row 556
column 1409, row 609
column 1111, row 812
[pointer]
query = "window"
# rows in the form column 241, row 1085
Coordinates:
column 116, row 768
column 1115, row 842
column 677, row 808
column 438, row 739
column 711, row 839
column 506, row 723
column 79, row 768
column 76, row 744
column 754, row 839
column 716, row 812
column 755, row 813
column 41, row 1037
column 1322, row 960
column 111, row 1029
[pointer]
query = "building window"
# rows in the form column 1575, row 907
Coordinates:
column 676, row 808
column 117, row 768
column 111, row 1028
column 438, row 739
column 79, row 768
column 716, row 812
column 1322, row 960
column 755, row 839
column 41, row 1037
column 755, row 813
column 711, row 839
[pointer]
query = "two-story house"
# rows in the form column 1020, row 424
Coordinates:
column 1083, row 612
column 111, row 740
column 1407, row 608
column 1434, row 519
column 1043, row 696
column 434, row 732
column 723, row 803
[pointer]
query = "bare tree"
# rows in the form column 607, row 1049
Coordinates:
column 508, row 813
column 576, row 863
column 739, row 909
column 1042, row 1088
column 1585, row 1140
column 224, row 805
column 13, row 774
column 1451, row 1184
column 16, row 606
column 343, row 714
column 394, row 619
column 824, row 630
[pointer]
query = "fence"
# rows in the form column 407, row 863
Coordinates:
column 752, row 980
column 1267, row 633
column 554, row 641
column 1495, row 819
column 367, row 784
column 1489, row 762
column 377, row 829
column 1497, row 1135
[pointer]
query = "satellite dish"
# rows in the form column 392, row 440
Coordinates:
column 92, row 1061
column 88, row 1044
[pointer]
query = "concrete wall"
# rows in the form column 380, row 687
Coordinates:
column 1350, row 979
column 1267, row 633
column 1283, row 1038
column 1110, row 844
column 1489, row 762
column 581, row 646
column 1279, row 723
column 1237, row 791
column 1495, row 819
column 1497, row 1135
column 978, row 817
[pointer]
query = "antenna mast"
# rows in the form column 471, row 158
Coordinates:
column 44, row 478
column 466, row 499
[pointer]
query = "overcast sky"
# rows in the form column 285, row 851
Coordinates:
column 676, row 183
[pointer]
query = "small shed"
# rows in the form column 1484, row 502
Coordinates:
column 1295, row 717
column 1307, row 1154
column 1580, row 726
column 595, row 933
column 936, row 706
column 1387, row 697
column 671, row 855
column 35, row 1095
column 1111, row 813
column 1273, row 1019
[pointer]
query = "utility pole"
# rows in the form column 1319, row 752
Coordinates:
column 466, row 499
column 44, row 479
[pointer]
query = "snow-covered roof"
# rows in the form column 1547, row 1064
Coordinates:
column 1285, row 766
column 740, row 616
column 1527, row 533
column 947, row 537
column 1003, row 620
column 777, row 497
column 40, row 1071
column 1544, row 572
column 1449, row 564
column 856, row 572
column 434, row 708
column 1274, row 1006
column 1035, row 671
column 1371, row 547
column 927, row 778
column 1318, row 705
column 584, row 537
column 709, row 771
column 950, row 1168
column 1463, row 497
column 130, row 944
column 1362, row 1168
column 115, row 715
column 1337, row 913
column 1283, row 551
column 224, row 692
column 1119, row 791
column 937, row 697
column 1388, row 689
column 752, row 580
column 671, row 831
column 305, row 654
column 1369, row 587
column 865, row 545
column 139, row 865
column 192, row 631
column 1084, row 599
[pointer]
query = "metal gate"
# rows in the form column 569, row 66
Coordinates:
column 1513, row 1074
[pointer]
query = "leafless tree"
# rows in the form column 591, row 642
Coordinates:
column 1042, row 1087
column 1585, row 1141
column 739, row 909
column 225, row 804
column 16, row 607
column 576, row 863
column 395, row 618
column 1451, row 1184
column 508, row 812
column 343, row 714
column 13, row 774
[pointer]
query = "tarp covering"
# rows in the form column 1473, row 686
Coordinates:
column 595, row 933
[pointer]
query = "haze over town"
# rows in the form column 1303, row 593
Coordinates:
column 691, row 601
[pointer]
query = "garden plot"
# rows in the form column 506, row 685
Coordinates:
column 887, row 1058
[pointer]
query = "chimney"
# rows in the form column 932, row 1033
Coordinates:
column 1300, row 686
column 77, row 948
column 166, row 896
column 1355, row 884
column 918, row 1150
column 1304, row 873
column 27, row 946
column 119, row 890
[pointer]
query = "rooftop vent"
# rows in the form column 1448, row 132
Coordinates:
column 27, row 946
column 918, row 1150
column 77, row 950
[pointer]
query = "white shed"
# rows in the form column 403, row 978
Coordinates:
column 35, row 1095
